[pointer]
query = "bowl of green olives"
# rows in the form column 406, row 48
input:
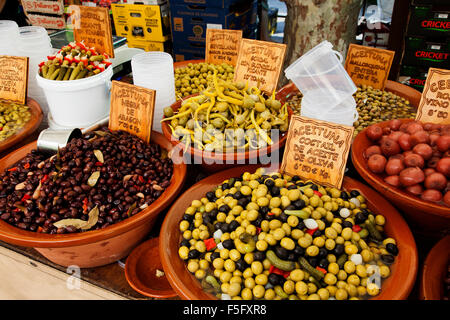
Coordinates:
column 250, row 233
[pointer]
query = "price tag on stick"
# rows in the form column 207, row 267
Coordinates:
column 132, row 109
column 317, row 150
column 369, row 66
column 435, row 100
column 93, row 26
column 259, row 63
column 13, row 78
column 222, row 45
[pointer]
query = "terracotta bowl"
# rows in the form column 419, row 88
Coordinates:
column 215, row 161
column 435, row 270
column 97, row 247
column 397, row 88
column 140, row 271
column 29, row 128
column 425, row 217
column 396, row 287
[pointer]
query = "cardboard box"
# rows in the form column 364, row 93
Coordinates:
column 421, row 52
column 142, row 22
column 413, row 76
column 222, row 4
column 165, row 46
column 427, row 21
column 194, row 50
column 189, row 22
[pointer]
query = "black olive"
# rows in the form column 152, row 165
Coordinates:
column 360, row 218
column 257, row 222
column 259, row 255
column 313, row 261
column 224, row 208
column 264, row 210
column 392, row 248
column 275, row 191
column 299, row 251
column 185, row 243
column 317, row 233
column 281, row 253
column 347, row 224
column 315, row 187
column 322, row 253
column 300, row 183
column 215, row 255
column 290, row 207
column 207, row 219
column 295, row 178
column 354, row 193
column 241, row 265
column 228, row 244
column 387, row 258
column 210, row 195
column 237, row 195
column 274, row 279
column 218, row 226
column 213, row 213
column 243, row 202
column 233, row 225
column 193, row 254
column 344, row 195
column 225, row 227
column 301, row 225
column 299, row 204
column 339, row 250
column 292, row 187
column 269, row 183
column 225, row 186
column 283, row 217
column 291, row 257
column 188, row 217
column 323, row 263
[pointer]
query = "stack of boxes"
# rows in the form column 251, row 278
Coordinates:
column 427, row 42
column 145, row 24
column 191, row 18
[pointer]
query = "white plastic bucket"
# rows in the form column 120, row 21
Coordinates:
column 78, row 103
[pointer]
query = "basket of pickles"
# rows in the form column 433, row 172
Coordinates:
column 227, row 123
column 250, row 233
column 17, row 121
column 76, row 83
column 373, row 105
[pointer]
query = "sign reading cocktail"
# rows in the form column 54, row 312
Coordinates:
column 132, row 109
column 259, row 63
column 317, row 150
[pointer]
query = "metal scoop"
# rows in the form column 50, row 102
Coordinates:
column 50, row 140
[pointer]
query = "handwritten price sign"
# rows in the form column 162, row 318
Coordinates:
column 259, row 63
column 222, row 45
column 317, row 150
column 435, row 100
column 13, row 78
column 368, row 66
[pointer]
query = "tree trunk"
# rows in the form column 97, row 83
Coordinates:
column 309, row 22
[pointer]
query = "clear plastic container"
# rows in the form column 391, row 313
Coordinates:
column 9, row 34
column 347, row 117
column 320, row 76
